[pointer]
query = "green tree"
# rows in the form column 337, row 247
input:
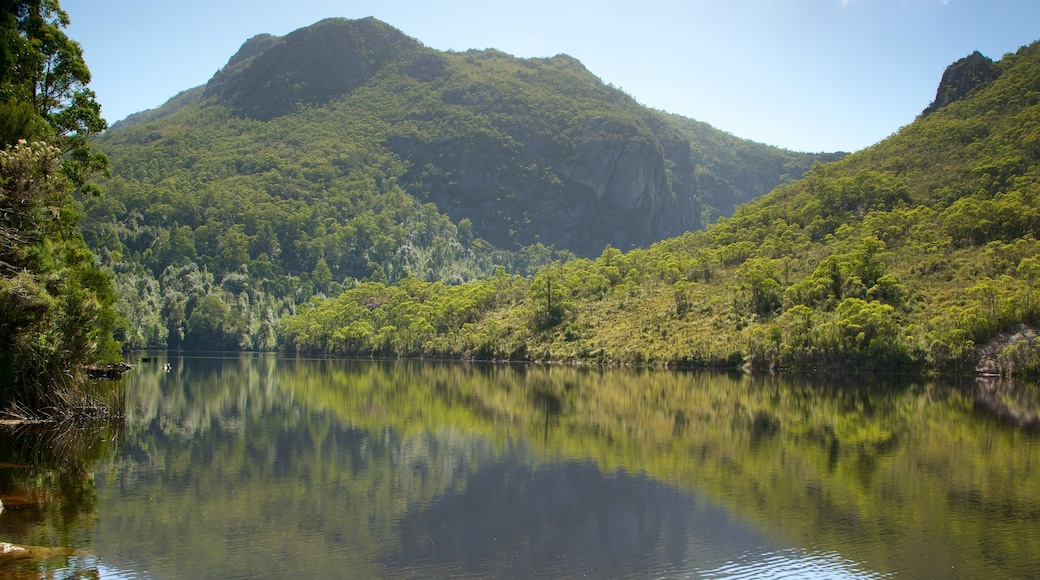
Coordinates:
column 322, row 277
column 57, row 306
column 548, row 299
column 867, row 335
column 212, row 326
column 760, row 286
column 234, row 249
column 46, row 74
column 866, row 261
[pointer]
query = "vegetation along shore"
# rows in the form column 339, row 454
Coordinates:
column 475, row 205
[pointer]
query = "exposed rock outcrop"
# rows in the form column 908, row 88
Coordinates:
column 962, row 77
column 271, row 76
column 1004, row 352
column 608, row 184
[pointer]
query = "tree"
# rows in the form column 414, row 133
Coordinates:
column 866, row 261
column 43, row 87
column 56, row 310
column 547, row 296
column 322, row 277
column 213, row 325
column 758, row 283
column 57, row 304
column 868, row 335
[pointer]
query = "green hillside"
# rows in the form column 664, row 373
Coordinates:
column 919, row 252
column 347, row 152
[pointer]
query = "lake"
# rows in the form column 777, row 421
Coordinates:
column 256, row 466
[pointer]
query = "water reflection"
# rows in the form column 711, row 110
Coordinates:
column 47, row 496
column 264, row 467
column 571, row 520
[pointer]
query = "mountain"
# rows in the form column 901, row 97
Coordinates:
column 920, row 252
column 530, row 150
column 349, row 151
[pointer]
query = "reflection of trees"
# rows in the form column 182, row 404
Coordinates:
column 794, row 455
column 232, row 452
column 326, row 454
column 49, row 495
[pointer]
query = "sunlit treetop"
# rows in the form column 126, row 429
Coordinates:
column 43, row 86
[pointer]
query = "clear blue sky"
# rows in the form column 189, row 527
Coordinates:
column 809, row 75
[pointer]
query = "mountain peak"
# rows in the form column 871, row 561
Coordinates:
column 962, row 77
column 271, row 76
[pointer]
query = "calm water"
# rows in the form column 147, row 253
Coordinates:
column 259, row 467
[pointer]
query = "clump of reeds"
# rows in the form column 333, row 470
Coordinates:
column 69, row 401
column 74, row 424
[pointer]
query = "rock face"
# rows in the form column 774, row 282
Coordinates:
column 625, row 175
column 622, row 171
column 609, row 183
column 962, row 77
column 998, row 356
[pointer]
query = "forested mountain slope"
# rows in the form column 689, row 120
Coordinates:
column 918, row 252
column 348, row 151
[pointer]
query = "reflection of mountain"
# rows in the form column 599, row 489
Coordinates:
column 272, row 467
column 567, row 520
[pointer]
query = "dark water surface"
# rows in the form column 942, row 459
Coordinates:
column 262, row 467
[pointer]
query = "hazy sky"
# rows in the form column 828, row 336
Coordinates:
column 809, row 75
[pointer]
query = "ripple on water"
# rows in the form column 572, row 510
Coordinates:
column 792, row 563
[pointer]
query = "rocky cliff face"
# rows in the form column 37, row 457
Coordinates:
column 624, row 175
column 962, row 77
column 609, row 182
column 620, row 170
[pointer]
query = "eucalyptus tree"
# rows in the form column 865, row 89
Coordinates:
column 43, row 87
column 55, row 302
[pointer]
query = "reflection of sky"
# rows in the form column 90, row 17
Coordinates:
column 567, row 520
column 792, row 563
column 786, row 564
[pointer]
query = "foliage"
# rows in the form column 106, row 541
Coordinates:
column 55, row 303
column 912, row 254
column 439, row 166
column 43, row 87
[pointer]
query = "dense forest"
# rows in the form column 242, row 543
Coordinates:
column 298, row 171
column 56, row 303
column 475, row 205
column 918, row 253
